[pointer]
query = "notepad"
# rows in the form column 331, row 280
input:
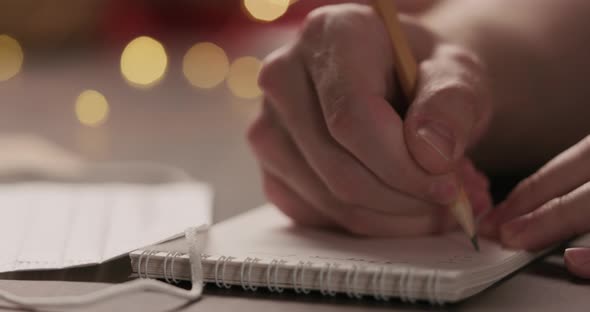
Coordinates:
column 263, row 248
column 102, row 212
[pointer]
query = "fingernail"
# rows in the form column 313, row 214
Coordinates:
column 510, row 232
column 578, row 256
column 439, row 137
column 444, row 192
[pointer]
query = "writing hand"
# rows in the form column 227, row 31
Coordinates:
column 332, row 149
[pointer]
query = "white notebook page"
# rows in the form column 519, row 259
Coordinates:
column 266, row 233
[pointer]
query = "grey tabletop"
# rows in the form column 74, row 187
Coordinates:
column 202, row 132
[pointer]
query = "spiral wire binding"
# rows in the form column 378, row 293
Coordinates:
column 431, row 289
column 351, row 281
column 436, row 289
column 402, row 285
column 172, row 255
column 300, row 268
column 168, row 254
column 406, row 278
column 148, row 256
column 272, row 275
column 143, row 253
column 220, row 282
column 294, row 276
column 217, row 282
column 326, row 279
column 247, row 282
column 410, row 286
column 378, row 284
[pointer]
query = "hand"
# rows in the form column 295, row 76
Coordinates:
column 550, row 206
column 332, row 149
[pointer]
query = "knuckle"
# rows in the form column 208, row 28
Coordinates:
column 458, row 74
column 314, row 23
column 525, row 190
column 574, row 209
column 559, row 209
column 531, row 185
column 258, row 134
column 464, row 57
column 273, row 68
column 585, row 148
column 339, row 118
column 454, row 90
column 335, row 21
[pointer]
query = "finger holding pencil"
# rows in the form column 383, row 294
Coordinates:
column 333, row 151
column 407, row 74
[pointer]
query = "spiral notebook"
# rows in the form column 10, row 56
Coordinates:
column 262, row 248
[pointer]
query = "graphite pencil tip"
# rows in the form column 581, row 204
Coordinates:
column 475, row 243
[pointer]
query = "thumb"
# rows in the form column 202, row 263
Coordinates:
column 450, row 111
column 414, row 6
column 577, row 261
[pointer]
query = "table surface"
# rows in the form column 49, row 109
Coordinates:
column 203, row 133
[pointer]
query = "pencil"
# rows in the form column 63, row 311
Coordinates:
column 407, row 74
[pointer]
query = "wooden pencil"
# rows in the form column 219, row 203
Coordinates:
column 407, row 74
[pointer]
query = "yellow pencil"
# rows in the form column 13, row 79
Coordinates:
column 407, row 74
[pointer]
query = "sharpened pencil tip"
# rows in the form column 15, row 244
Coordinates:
column 475, row 243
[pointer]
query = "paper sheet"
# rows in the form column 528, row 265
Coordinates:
column 48, row 225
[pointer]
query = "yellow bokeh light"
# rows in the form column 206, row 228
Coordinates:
column 243, row 77
column 144, row 61
column 205, row 65
column 92, row 108
column 11, row 57
column 266, row 10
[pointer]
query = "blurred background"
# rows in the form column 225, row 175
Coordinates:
column 166, row 81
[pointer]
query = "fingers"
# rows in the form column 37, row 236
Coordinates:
column 279, row 155
column 451, row 109
column 561, row 175
column 559, row 219
column 291, row 204
column 577, row 261
column 284, row 163
column 352, row 87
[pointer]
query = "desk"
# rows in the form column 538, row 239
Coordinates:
column 203, row 133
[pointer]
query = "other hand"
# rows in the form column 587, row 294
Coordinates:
column 550, row 206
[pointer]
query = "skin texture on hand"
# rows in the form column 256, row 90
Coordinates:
column 550, row 206
column 333, row 149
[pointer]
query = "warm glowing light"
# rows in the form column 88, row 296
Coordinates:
column 243, row 77
column 205, row 65
column 266, row 10
column 144, row 61
column 11, row 57
column 92, row 108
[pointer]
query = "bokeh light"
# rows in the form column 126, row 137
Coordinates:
column 144, row 61
column 266, row 10
column 205, row 65
column 242, row 79
column 92, row 108
column 11, row 57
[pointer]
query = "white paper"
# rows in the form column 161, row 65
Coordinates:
column 48, row 225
